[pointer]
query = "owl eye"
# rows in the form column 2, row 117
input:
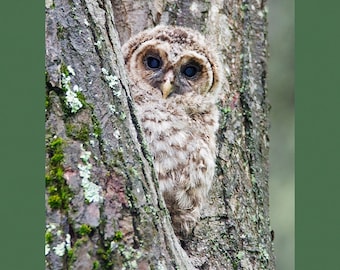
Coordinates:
column 153, row 63
column 190, row 71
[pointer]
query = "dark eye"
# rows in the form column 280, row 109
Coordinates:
column 153, row 62
column 190, row 71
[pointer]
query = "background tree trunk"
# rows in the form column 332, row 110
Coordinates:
column 104, row 209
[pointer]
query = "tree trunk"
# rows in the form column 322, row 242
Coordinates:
column 103, row 206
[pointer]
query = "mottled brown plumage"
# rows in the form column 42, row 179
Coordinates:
column 175, row 79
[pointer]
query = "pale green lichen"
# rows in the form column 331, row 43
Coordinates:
column 240, row 255
column 49, row 3
column 122, row 116
column 71, row 96
column 85, row 170
column 113, row 245
column 85, row 155
column 68, row 242
column 113, row 82
column 71, row 70
column 99, row 42
column 77, row 89
column 72, row 101
column 47, row 249
column 112, row 108
column 116, row 133
column 60, row 249
column 49, row 228
column 131, row 256
column 92, row 192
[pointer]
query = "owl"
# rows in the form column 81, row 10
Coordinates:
column 175, row 78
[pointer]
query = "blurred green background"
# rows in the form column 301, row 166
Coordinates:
column 281, row 98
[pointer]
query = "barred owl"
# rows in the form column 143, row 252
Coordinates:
column 175, row 79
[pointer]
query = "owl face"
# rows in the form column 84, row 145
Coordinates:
column 173, row 61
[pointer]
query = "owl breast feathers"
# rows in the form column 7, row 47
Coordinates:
column 175, row 79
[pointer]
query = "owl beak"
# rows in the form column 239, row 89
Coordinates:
column 167, row 87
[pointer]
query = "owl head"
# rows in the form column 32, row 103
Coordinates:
column 172, row 61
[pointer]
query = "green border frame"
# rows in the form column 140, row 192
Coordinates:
column 22, row 101
column 317, row 135
column 22, row 135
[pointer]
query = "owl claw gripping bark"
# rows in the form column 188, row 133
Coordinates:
column 175, row 77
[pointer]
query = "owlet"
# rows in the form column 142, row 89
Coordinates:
column 175, row 79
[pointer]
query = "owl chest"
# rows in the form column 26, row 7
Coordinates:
column 177, row 142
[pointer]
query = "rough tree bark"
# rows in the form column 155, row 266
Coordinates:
column 103, row 206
